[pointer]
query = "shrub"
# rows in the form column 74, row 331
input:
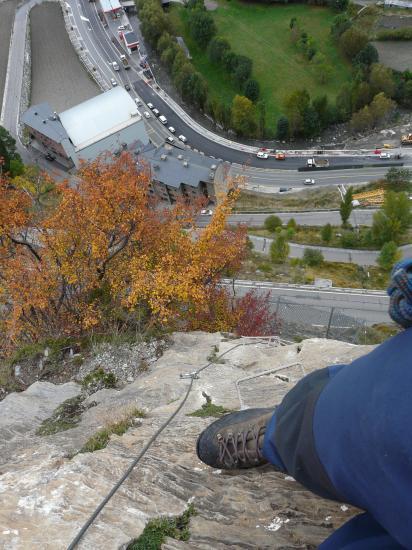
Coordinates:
column 252, row 89
column 389, row 255
column 326, row 233
column 272, row 222
column 312, row 257
column 279, row 249
column 349, row 239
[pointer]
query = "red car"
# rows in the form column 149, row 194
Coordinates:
column 377, row 151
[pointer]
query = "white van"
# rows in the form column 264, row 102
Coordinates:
column 163, row 119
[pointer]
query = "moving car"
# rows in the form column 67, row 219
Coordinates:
column 156, row 112
column 377, row 152
column 146, row 114
column 385, row 156
column 262, row 155
column 151, row 106
column 171, row 129
column 280, row 156
column 163, row 119
column 206, row 212
column 182, row 138
column 113, row 82
column 309, row 181
column 121, row 28
column 170, row 139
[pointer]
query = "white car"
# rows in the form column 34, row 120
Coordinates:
column 113, row 82
column 151, row 106
column 262, row 155
column 146, row 114
column 170, row 139
column 121, row 28
column 156, row 112
column 115, row 66
column 206, row 212
column 308, row 181
column 163, row 119
column 182, row 138
column 137, row 101
column 171, row 129
column 385, row 156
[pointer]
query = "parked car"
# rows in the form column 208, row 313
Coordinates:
column 113, row 82
column 385, row 156
column 309, row 181
column 262, row 155
column 156, row 112
column 182, row 138
column 171, row 129
column 137, row 101
column 121, row 28
column 284, row 189
column 163, row 119
column 143, row 64
column 127, row 87
column 146, row 114
column 115, row 66
column 151, row 106
column 206, row 212
column 170, row 139
column 377, row 152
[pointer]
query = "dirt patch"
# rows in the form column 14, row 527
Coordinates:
column 395, row 54
column 58, row 77
column 211, row 5
column 7, row 10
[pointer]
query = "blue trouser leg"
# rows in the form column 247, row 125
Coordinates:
column 269, row 448
column 360, row 533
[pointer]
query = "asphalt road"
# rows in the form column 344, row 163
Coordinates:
column 366, row 305
column 262, row 179
column 319, row 218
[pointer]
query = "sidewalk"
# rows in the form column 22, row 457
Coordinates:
column 330, row 254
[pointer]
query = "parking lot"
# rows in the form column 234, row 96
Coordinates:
column 58, row 76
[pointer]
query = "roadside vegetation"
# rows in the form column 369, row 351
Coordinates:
column 314, row 199
column 259, row 267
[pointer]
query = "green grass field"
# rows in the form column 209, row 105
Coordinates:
column 261, row 32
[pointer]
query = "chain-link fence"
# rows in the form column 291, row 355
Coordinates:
column 303, row 321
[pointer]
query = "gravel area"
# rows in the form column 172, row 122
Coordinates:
column 395, row 21
column 58, row 77
column 395, row 54
column 7, row 10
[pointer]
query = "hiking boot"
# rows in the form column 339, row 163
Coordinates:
column 235, row 440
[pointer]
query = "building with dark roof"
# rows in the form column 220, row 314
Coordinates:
column 130, row 40
column 180, row 173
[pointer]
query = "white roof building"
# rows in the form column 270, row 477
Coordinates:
column 109, row 122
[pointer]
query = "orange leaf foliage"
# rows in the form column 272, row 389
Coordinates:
column 105, row 252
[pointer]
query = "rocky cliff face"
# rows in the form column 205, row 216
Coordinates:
column 47, row 490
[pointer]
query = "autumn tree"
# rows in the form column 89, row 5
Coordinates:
column 106, row 253
column 352, row 41
column 381, row 107
column 381, row 80
column 243, row 115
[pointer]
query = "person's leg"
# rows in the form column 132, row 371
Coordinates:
column 360, row 533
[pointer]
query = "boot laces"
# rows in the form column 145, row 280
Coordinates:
column 242, row 447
